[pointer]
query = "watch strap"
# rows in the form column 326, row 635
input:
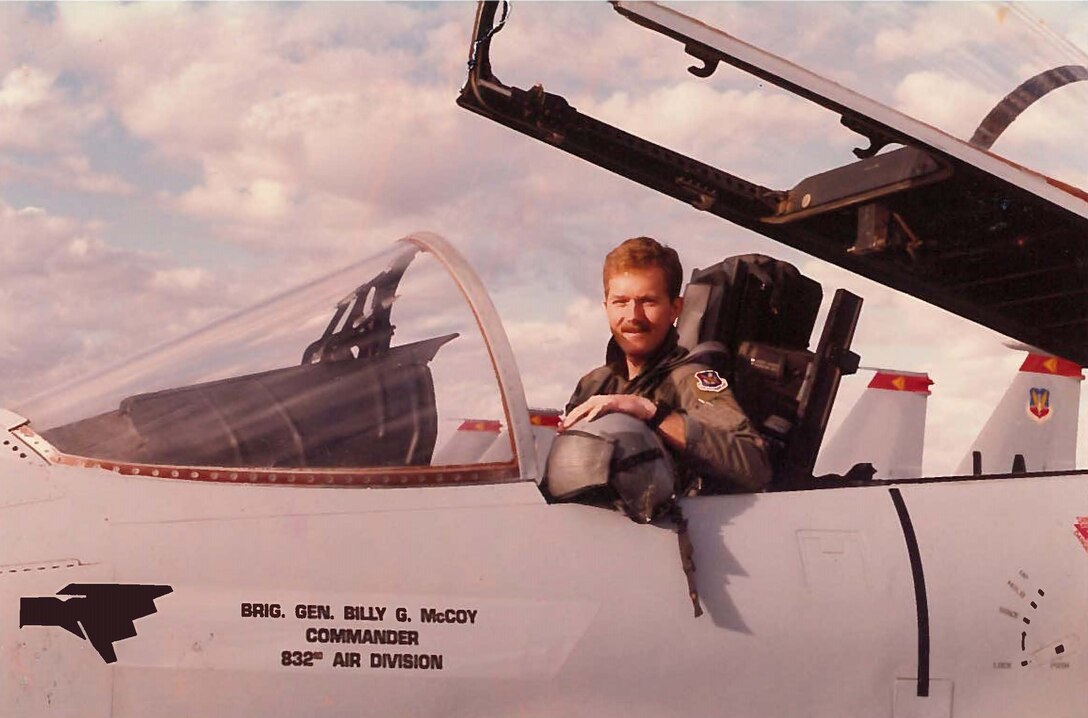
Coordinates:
column 662, row 411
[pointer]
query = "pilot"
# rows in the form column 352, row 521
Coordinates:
column 647, row 375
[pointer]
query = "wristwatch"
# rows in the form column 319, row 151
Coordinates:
column 663, row 410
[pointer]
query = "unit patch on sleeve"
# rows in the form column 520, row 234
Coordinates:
column 710, row 380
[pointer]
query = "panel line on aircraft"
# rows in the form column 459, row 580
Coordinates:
column 921, row 602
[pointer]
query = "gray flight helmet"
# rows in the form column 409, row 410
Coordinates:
column 619, row 451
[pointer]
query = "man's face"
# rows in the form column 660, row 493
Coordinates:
column 640, row 311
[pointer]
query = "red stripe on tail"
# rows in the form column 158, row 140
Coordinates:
column 915, row 383
column 479, row 425
column 1055, row 366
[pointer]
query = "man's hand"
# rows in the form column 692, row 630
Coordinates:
column 637, row 406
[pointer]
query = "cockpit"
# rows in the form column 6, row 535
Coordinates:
column 372, row 375
column 396, row 371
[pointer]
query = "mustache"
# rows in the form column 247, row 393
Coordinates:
column 634, row 326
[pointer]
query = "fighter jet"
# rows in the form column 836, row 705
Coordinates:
column 279, row 479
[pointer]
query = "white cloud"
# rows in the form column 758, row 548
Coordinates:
column 732, row 128
column 24, row 88
column 67, row 299
column 950, row 103
column 940, row 28
column 72, row 172
column 266, row 102
column 35, row 115
column 553, row 354
column 182, row 280
column 244, row 199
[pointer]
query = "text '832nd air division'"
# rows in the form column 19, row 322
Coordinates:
column 387, row 645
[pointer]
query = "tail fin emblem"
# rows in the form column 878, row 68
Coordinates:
column 1039, row 404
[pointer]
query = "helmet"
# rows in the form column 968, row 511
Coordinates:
column 616, row 450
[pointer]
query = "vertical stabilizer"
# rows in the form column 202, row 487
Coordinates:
column 886, row 428
column 484, row 441
column 545, row 423
column 1037, row 419
column 472, row 438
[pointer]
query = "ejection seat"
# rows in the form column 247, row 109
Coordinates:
column 754, row 315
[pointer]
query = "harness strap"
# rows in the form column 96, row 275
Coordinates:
column 629, row 462
column 687, row 556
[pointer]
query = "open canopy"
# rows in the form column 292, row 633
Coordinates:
column 943, row 219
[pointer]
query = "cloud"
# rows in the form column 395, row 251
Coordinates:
column 611, row 52
column 727, row 127
column 245, row 199
column 36, row 115
column 938, row 29
column 181, row 280
column 949, row 103
column 68, row 299
column 294, row 145
column 70, row 172
column 42, row 124
column 553, row 354
column 24, row 88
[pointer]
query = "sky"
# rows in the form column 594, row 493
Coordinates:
column 163, row 165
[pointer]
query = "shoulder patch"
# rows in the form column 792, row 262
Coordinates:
column 710, row 380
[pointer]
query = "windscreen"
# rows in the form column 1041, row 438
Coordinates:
column 378, row 365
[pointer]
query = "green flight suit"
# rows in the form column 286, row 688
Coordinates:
column 723, row 452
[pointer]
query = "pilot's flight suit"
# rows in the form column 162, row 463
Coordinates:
column 722, row 448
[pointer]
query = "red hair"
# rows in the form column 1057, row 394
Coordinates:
column 645, row 253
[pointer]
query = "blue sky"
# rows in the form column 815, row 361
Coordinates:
column 162, row 165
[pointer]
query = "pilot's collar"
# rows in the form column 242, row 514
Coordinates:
column 616, row 360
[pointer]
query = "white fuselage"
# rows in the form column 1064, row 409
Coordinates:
column 509, row 605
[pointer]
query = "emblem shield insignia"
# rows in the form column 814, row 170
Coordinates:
column 1039, row 404
column 710, row 380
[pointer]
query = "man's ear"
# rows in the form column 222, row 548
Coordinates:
column 678, row 306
